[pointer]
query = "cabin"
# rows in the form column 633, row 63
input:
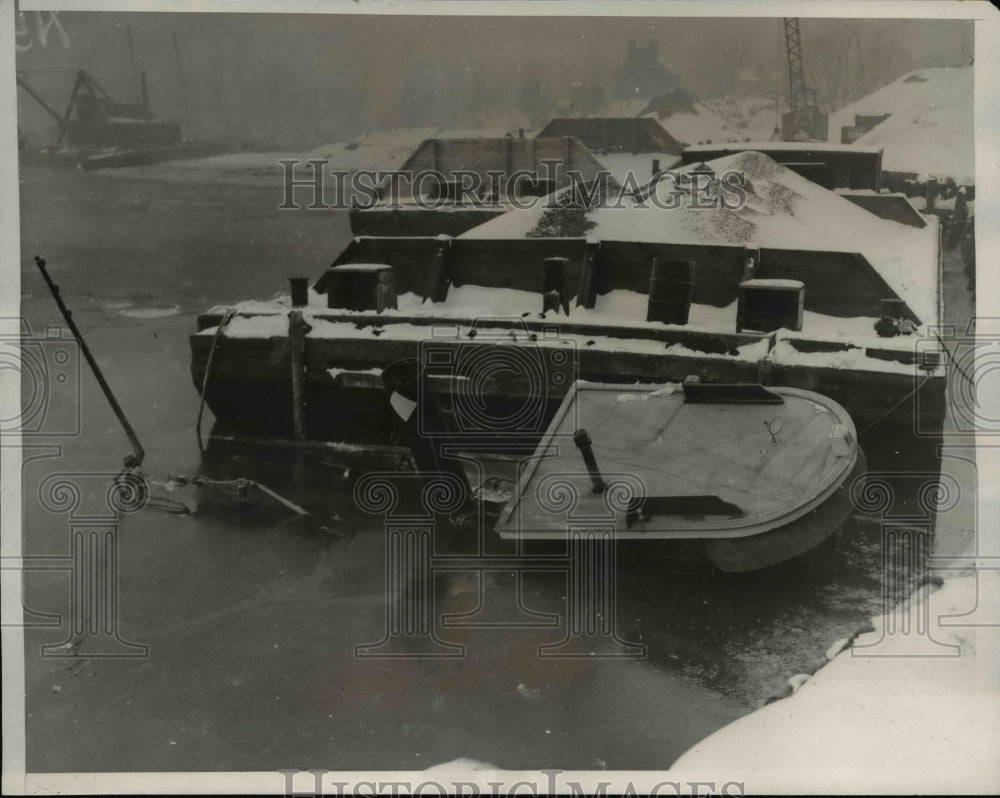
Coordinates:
column 448, row 186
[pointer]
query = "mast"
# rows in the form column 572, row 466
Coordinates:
column 131, row 52
column 180, row 76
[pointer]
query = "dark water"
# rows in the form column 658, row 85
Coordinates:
column 252, row 615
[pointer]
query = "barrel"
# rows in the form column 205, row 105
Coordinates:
column 300, row 291
column 671, row 283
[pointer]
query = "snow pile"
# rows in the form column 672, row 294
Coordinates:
column 782, row 211
column 930, row 130
column 920, row 717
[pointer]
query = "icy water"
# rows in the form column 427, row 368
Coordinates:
column 251, row 617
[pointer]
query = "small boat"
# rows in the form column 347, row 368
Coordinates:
column 761, row 475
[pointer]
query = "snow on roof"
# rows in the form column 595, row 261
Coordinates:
column 783, row 211
column 930, row 130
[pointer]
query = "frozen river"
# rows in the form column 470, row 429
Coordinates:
column 251, row 619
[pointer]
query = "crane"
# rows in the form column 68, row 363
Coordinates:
column 803, row 121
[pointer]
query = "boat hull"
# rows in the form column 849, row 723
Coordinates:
column 249, row 390
column 740, row 555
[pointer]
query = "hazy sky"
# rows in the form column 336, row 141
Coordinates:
column 313, row 78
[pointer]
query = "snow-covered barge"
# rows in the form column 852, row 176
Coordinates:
column 504, row 329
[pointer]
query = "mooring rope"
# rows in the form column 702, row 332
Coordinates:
column 895, row 406
column 226, row 318
column 954, row 363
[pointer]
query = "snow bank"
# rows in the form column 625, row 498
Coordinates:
column 388, row 149
column 901, row 722
column 930, row 130
column 383, row 150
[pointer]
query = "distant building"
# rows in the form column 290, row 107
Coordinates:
column 641, row 74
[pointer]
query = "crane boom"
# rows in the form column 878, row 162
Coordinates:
column 804, row 119
column 797, row 90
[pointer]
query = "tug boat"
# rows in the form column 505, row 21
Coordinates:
column 758, row 475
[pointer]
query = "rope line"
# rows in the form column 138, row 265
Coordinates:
column 227, row 317
column 954, row 363
column 895, row 406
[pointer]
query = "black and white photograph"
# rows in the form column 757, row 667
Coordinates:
column 525, row 397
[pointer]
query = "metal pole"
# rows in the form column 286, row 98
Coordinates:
column 135, row 459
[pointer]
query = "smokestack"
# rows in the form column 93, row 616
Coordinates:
column 656, row 166
column 143, row 90
column 520, row 132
